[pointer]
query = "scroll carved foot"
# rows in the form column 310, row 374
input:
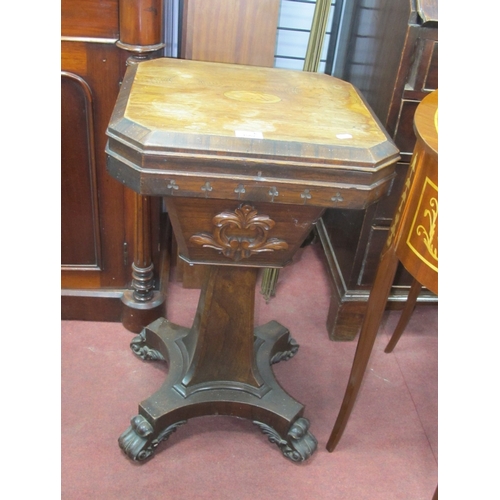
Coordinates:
column 285, row 355
column 138, row 442
column 140, row 348
column 300, row 443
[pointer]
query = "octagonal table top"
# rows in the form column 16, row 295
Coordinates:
column 256, row 124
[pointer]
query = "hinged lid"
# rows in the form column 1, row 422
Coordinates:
column 266, row 124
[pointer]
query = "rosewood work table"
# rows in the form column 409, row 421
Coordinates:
column 247, row 159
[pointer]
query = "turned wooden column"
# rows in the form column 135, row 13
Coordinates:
column 141, row 26
column 142, row 304
column 141, row 35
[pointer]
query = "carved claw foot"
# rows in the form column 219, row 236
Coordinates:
column 292, row 348
column 139, row 347
column 300, row 443
column 138, row 442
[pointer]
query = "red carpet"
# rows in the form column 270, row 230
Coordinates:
column 389, row 449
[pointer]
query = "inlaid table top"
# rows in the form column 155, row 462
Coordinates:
column 240, row 101
column 261, row 127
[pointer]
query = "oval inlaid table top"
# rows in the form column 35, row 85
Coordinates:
column 426, row 121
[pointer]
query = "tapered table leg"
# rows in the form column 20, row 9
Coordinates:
column 411, row 302
column 375, row 309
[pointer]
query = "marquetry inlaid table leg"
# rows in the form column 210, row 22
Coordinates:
column 221, row 366
column 371, row 322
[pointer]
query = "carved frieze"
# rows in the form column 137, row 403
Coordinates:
column 240, row 234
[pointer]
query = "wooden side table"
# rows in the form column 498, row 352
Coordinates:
column 412, row 240
column 247, row 159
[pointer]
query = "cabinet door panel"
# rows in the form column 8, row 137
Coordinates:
column 424, row 70
column 431, row 81
column 93, row 205
column 79, row 217
column 404, row 137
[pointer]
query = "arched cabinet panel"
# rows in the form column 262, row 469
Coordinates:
column 96, row 237
column 80, row 238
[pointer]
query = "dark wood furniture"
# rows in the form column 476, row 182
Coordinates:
column 412, row 241
column 106, row 228
column 248, row 159
column 391, row 56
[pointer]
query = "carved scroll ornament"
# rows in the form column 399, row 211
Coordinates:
column 299, row 444
column 240, row 234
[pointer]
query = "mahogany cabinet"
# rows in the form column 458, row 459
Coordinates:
column 98, row 222
column 392, row 58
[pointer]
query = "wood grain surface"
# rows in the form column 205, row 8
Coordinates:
column 227, row 131
column 233, row 100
